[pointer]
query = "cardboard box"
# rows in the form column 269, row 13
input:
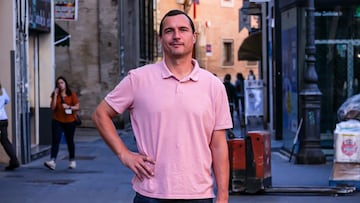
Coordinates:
column 347, row 142
column 346, row 171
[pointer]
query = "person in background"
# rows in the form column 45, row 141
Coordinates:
column 8, row 147
column 179, row 114
column 239, row 86
column 65, row 105
column 231, row 94
column 251, row 75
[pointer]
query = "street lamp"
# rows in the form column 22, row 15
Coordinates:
column 310, row 150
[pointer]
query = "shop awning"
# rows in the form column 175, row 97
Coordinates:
column 251, row 8
column 62, row 38
column 251, row 48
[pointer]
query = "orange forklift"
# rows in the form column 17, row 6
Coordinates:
column 250, row 162
column 250, row 167
column 250, row 155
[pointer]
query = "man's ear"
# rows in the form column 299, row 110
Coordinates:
column 160, row 42
column 194, row 38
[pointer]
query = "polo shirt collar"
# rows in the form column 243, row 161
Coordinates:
column 194, row 75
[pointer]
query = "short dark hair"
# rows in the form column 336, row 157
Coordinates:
column 227, row 77
column 174, row 13
column 239, row 76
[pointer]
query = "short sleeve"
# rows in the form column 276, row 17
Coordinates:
column 6, row 96
column 121, row 97
column 222, row 110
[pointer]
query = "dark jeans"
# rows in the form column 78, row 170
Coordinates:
column 142, row 199
column 58, row 128
column 232, row 113
column 8, row 147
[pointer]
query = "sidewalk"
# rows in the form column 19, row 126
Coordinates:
column 100, row 177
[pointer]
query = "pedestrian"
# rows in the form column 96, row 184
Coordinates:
column 8, row 147
column 239, row 86
column 231, row 94
column 251, row 75
column 179, row 114
column 65, row 105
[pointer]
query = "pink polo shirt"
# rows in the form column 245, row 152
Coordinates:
column 173, row 123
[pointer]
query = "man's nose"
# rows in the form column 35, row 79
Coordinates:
column 176, row 34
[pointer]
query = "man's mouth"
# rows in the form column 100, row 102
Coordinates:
column 176, row 44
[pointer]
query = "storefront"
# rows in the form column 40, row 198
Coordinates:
column 337, row 41
column 27, row 73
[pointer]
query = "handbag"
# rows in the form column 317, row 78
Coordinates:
column 78, row 120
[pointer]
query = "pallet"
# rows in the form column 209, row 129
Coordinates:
column 311, row 189
column 348, row 183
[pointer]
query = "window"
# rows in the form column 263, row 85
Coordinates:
column 228, row 53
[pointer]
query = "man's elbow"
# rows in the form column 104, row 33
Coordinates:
column 102, row 113
column 96, row 116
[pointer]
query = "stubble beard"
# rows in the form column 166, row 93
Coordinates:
column 177, row 54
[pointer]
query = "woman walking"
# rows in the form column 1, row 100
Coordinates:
column 65, row 105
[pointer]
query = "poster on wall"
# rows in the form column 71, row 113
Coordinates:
column 208, row 50
column 254, row 98
column 40, row 15
column 66, row 10
column 289, row 76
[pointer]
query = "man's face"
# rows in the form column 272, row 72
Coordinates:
column 177, row 37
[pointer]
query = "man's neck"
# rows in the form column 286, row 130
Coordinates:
column 180, row 67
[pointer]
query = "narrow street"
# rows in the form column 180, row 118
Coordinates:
column 100, row 178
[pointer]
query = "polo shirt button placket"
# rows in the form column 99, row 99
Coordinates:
column 179, row 88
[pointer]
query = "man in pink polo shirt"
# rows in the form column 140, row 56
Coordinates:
column 179, row 114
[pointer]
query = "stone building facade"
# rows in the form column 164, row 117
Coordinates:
column 107, row 40
column 219, row 37
column 91, row 62
column 111, row 37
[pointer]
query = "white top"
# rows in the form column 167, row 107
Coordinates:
column 4, row 99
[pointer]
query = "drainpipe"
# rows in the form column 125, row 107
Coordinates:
column 121, row 41
column 21, row 78
column 270, row 85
